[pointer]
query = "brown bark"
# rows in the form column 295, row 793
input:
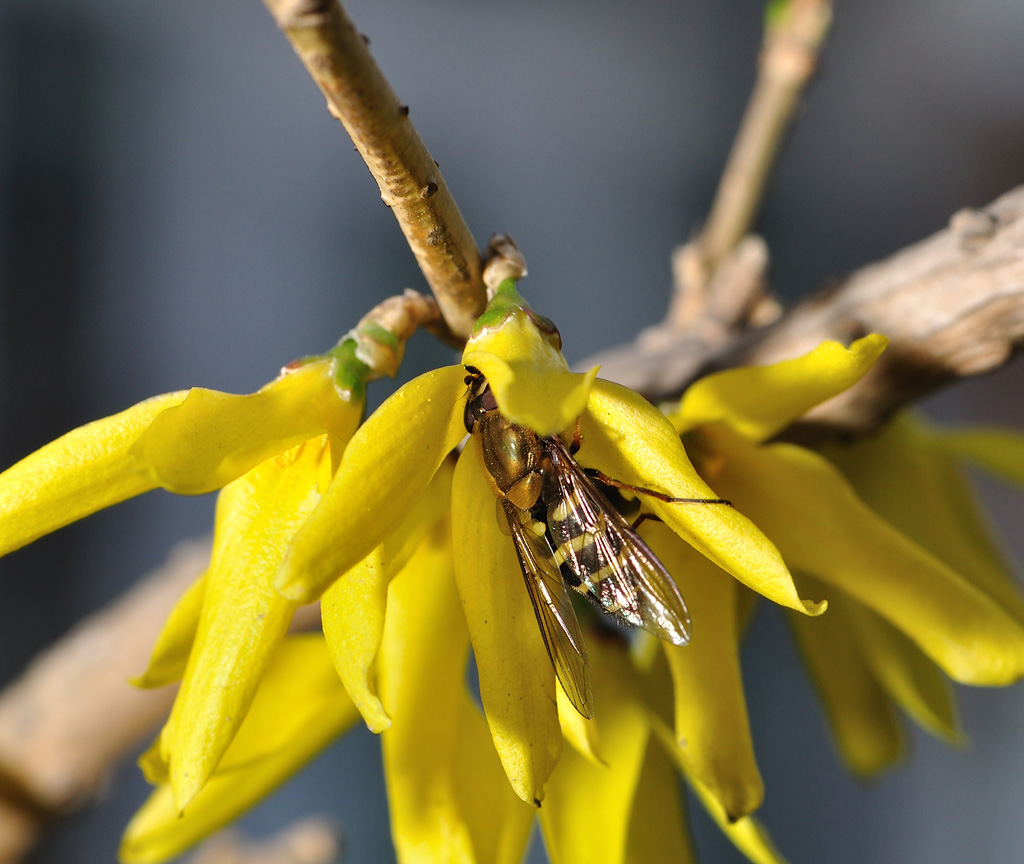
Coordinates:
column 951, row 305
column 410, row 181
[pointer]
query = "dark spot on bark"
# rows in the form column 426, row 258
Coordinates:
column 403, row 110
column 428, row 190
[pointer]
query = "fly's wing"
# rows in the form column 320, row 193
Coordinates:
column 607, row 558
column 551, row 604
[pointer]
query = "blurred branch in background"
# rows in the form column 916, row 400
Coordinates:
column 310, row 841
column 72, row 716
column 795, row 33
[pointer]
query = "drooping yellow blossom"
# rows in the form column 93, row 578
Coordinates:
column 449, row 797
column 223, row 634
column 914, row 585
column 908, row 472
column 309, row 520
column 404, row 546
column 623, row 776
column 273, row 453
column 299, row 708
column 393, row 457
column 241, row 620
column 187, row 442
column 402, row 656
column 632, row 808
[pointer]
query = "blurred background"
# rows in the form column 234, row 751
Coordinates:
column 177, row 208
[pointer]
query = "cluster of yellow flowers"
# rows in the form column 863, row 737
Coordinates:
column 395, row 532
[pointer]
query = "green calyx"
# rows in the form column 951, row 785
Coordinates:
column 350, row 373
column 506, row 304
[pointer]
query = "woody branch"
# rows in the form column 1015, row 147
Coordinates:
column 952, row 306
column 338, row 59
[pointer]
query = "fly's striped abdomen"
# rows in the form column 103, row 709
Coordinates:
column 574, row 549
column 591, row 556
column 603, row 557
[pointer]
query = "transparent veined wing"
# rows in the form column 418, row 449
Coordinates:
column 607, row 559
column 553, row 607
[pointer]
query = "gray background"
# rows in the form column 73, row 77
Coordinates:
column 177, row 208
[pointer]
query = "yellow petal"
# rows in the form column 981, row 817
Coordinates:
column 583, row 795
column 517, row 682
column 912, row 681
column 352, row 611
column 212, row 438
column 823, row 529
column 243, row 617
column 299, row 708
column 993, row 448
column 170, row 654
column 758, row 401
column 352, row 608
column 152, row 763
column 386, row 467
column 627, row 439
column 81, row 472
column 747, row 834
column 432, row 506
column 529, row 377
column 658, row 828
column 448, row 795
column 579, row 731
column 712, row 726
column 906, row 474
column 865, row 728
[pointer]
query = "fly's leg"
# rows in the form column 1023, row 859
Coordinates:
column 641, row 490
column 574, row 445
column 643, row 517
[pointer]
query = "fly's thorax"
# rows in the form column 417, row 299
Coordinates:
column 514, row 458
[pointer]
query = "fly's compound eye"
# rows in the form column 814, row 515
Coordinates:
column 478, row 406
column 487, row 400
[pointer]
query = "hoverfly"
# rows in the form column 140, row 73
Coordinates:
column 567, row 533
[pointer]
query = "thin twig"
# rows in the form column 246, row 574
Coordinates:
column 502, row 260
column 382, row 332
column 719, row 285
column 794, row 35
column 358, row 94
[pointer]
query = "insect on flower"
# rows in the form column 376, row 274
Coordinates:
column 567, row 533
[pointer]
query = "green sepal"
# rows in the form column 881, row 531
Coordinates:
column 351, row 373
column 507, row 302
